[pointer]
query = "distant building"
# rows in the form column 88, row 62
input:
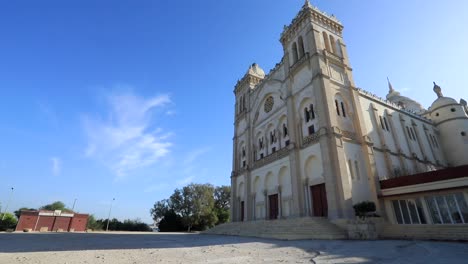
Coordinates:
column 52, row 221
column 309, row 142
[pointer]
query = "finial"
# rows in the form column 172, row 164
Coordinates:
column 390, row 87
column 438, row 90
column 307, row 4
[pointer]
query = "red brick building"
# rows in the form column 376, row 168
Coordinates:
column 52, row 221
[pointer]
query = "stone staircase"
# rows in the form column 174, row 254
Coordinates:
column 287, row 229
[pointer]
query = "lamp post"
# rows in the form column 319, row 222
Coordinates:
column 108, row 216
column 6, row 206
column 73, row 207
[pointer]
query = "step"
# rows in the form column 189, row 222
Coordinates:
column 296, row 228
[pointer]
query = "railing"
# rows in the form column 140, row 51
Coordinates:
column 272, row 157
column 309, row 140
column 348, row 134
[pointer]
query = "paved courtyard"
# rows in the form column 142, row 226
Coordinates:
column 196, row 248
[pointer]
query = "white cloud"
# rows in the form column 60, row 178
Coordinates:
column 126, row 139
column 185, row 181
column 56, row 166
column 195, row 154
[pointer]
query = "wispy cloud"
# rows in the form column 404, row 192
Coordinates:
column 184, row 170
column 195, row 154
column 128, row 139
column 56, row 166
column 185, row 181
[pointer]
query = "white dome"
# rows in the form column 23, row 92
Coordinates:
column 255, row 70
column 441, row 100
column 403, row 101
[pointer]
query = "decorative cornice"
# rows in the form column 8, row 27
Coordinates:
column 314, row 14
column 392, row 105
column 248, row 79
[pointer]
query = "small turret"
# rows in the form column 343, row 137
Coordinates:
column 451, row 118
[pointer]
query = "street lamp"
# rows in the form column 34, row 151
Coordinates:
column 73, row 207
column 108, row 216
column 6, row 206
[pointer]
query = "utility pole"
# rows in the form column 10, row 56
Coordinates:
column 6, row 206
column 73, row 207
column 108, row 216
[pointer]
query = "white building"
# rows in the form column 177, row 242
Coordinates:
column 308, row 142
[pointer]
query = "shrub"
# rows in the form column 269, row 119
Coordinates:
column 363, row 209
column 9, row 222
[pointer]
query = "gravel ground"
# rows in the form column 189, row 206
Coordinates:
column 118, row 247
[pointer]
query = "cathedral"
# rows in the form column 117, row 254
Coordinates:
column 308, row 142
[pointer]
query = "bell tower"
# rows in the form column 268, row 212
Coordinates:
column 316, row 60
column 313, row 33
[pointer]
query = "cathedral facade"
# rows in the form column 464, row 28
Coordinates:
column 308, row 142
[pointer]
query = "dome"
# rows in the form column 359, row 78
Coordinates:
column 441, row 100
column 403, row 101
column 255, row 70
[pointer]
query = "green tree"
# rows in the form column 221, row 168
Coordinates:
column 171, row 222
column 18, row 212
column 195, row 204
column 160, row 209
column 222, row 203
column 93, row 224
column 8, row 222
column 58, row 205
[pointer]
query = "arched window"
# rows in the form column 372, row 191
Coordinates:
column 409, row 132
column 306, row 115
column 350, row 165
column 382, row 122
column 285, row 130
column 301, row 47
column 412, row 133
column 325, row 41
column 332, row 44
column 273, row 137
column 358, row 176
column 311, row 111
column 294, row 52
column 339, row 52
column 337, row 107
column 386, row 124
column 343, row 109
column 340, row 106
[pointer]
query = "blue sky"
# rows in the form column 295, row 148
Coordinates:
column 132, row 99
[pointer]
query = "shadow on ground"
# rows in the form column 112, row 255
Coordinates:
column 328, row 251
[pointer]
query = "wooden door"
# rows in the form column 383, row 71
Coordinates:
column 273, row 206
column 242, row 211
column 319, row 200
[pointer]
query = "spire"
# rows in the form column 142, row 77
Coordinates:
column 390, row 87
column 438, row 90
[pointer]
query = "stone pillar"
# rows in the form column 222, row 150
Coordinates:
column 294, row 164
